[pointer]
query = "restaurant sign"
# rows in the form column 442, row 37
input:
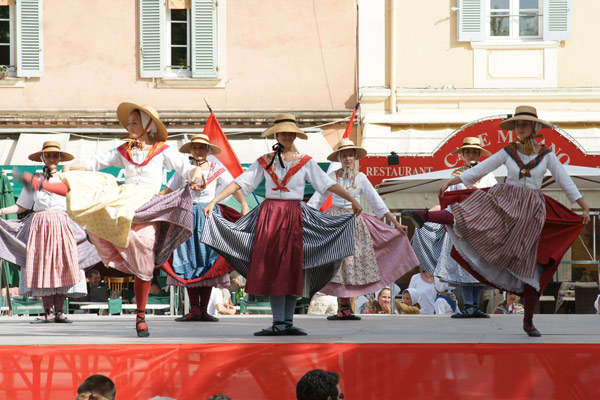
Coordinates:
column 377, row 168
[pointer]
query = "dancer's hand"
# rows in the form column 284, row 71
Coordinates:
column 401, row 228
column 208, row 210
column 356, row 207
column 443, row 189
column 245, row 209
column 586, row 217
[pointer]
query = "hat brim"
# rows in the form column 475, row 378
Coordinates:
column 360, row 153
column 483, row 151
column 125, row 109
column 64, row 156
column 509, row 124
column 187, row 148
column 285, row 127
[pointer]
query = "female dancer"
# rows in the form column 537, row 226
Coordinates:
column 504, row 236
column 433, row 246
column 133, row 229
column 284, row 248
column 382, row 254
column 51, row 250
column 195, row 266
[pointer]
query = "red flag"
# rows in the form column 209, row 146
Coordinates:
column 328, row 203
column 227, row 155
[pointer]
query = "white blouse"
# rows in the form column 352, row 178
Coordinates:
column 253, row 176
column 211, row 190
column 361, row 185
column 40, row 200
column 150, row 174
column 549, row 162
column 488, row 180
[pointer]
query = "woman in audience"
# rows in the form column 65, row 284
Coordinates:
column 510, row 305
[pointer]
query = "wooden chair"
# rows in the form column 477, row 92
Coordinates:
column 117, row 284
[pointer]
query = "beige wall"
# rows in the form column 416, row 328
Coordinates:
column 301, row 56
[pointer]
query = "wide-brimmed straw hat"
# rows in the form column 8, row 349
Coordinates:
column 347, row 144
column 200, row 138
column 51, row 146
column 523, row 113
column 472, row 143
column 285, row 123
column 125, row 109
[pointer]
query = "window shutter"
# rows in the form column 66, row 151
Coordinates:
column 204, row 39
column 152, row 15
column 469, row 21
column 558, row 19
column 30, row 60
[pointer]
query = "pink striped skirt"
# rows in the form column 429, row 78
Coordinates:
column 503, row 225
column 52, row 260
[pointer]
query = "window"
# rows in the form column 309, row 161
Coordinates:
column 514, row 19
column 7, row 38
column 178, row 39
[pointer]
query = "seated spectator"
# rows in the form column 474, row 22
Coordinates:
column 323, row 304
column 237, row 282
column 445, row 302
column 410, row 302
column 155, row 288
column 510, row 305
column 423, row 282
column 98, row 290
column 318, row 384
column 220, row 302
column 383, row 304
column 219, row 396
column 596, row 305
column 96, row 387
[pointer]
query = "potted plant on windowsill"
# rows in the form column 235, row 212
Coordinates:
column 3, row 71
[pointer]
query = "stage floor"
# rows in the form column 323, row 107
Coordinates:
column 93, row 329
column 380, row 357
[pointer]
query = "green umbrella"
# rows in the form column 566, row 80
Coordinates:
column 7, row 199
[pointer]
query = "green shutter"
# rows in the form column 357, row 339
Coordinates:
column 469, row 21
column 204, row 39
column 30, row 60
column 152, row 15
column 558, row 19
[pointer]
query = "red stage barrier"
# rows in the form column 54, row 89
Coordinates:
column 270, row 371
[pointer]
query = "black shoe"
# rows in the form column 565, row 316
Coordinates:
column 292, row 330
column 141, row 320
column 477, row 313
column 275, row 330
column 530, row 329
column 343, row 317
column 208, row 318
column 59, row 320
column 189, row 317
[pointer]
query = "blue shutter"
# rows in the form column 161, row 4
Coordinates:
column 558, row 19
column 30, row 60
column 204, row 38
column 152, row 15
column 469, row 21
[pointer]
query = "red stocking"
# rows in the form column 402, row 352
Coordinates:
column 141, row 289
column 194, row 295
column 204, row 299
column 530, row 298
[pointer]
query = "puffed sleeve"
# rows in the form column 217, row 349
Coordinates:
column 373, row 198
column 251, row 178
column 104, row 160
column 317, row 199
column 317, row 177
column 26, row 199
column 175, row 182
column 563, row 179
column 470, row 177
column 177, row 161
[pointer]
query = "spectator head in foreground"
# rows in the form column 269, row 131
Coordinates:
column 97, row 387
column 318, row 384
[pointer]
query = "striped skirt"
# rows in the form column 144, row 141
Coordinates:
column 382, row 254
column 510, row 236
column 45, row 245
column 194, row 264
column 158, row 228
column 283, row 246
column 427, row 244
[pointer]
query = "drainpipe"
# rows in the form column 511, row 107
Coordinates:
column 393, row 55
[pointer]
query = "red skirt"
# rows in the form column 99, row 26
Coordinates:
column 276, row 262
column 561, row 228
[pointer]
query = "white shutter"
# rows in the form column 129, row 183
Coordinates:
column 152, row 15
column 470, row 21
column 30, row 60
column 558, row 19
column 204, row 39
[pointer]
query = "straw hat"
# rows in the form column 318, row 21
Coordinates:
column 200, row 138
column 51, row 146
column 472, row 143
column 523, row 113
column 347, row 144
column 285, row 123
column 125, row 109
